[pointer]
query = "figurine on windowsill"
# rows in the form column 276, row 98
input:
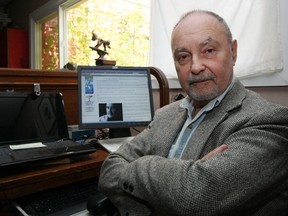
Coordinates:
column 100, row 42
column 106, row 44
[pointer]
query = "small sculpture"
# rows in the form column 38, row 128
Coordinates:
column 100, row 42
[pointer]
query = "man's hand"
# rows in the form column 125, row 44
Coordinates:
column 215, row 151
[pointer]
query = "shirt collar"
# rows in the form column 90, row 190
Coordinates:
column 187, row 103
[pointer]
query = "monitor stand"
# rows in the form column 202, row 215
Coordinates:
column 119, row 132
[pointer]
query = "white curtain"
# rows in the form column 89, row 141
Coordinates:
column 254, row 23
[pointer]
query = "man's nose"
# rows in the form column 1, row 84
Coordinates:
column 197, row 65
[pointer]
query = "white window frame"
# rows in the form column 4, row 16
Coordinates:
column 51, row 7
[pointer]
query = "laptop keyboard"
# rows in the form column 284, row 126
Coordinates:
column 62, row 201
column 60, row 143
column 55, row 149
column 66, row 143
column 52, row 146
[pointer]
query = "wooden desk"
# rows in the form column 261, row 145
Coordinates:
column 20, row 182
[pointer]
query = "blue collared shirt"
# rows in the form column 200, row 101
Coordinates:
column 191, row 123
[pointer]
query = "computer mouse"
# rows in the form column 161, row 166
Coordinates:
column 99, row 204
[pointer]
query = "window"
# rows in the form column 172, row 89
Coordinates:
column 258, row 25
column 124, row 24
column 66, row 36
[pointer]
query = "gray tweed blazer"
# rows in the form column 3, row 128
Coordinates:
column 249, row 178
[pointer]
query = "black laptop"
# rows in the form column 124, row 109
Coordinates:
column 34, row 128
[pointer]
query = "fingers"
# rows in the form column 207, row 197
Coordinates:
column 215, row 151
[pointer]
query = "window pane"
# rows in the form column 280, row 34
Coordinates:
column 49, row 42
column 125, row 24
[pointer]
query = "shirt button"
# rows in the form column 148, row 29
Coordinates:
column 125, row 185
column 131, row 188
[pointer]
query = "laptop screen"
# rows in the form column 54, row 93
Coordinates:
column 26, row 117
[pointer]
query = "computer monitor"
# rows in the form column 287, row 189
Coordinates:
column 112, row 97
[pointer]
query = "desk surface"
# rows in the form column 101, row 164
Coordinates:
column 28, row 180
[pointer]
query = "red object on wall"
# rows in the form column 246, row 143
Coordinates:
column 14, row 48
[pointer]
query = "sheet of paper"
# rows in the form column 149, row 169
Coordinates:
column 113, row 144
column 27, row 146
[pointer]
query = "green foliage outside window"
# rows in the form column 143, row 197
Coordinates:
column 50, row 49
column 125, row 24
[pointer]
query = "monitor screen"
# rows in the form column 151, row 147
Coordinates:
column 114, row 97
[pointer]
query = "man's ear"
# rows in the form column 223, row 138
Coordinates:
column 234, row 50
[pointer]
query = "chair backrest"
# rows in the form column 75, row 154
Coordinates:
column 163, row 85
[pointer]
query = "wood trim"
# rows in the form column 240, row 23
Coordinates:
column 163, row 85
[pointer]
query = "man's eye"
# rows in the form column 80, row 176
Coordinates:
column 183, row 58
column 209, row 52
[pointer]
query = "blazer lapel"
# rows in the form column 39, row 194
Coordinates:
column 172, row 130
column 232, row 100
column 199, row 138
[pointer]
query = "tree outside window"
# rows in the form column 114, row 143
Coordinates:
column 124, row 23
column 50, row 49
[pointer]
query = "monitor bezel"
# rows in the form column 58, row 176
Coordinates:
column 118, row 125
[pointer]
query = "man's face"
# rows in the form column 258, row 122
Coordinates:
column 203, row 57
column 110, row 110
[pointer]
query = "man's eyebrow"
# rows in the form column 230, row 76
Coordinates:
column 208, row 41
column 181, row 49
column 178, row 50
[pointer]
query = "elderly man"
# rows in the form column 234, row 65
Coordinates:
column 222, row 150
